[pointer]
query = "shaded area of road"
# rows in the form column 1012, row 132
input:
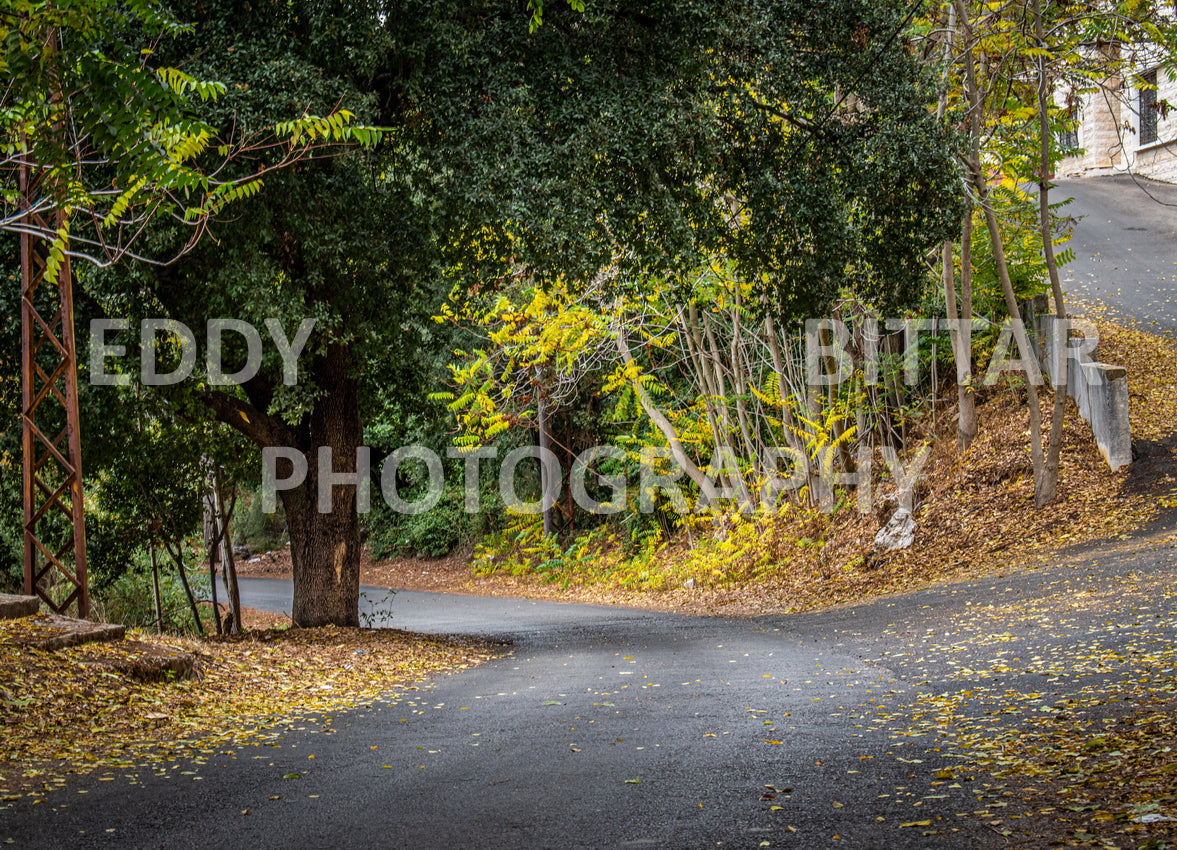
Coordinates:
column 1124, row 238
column 611, row 727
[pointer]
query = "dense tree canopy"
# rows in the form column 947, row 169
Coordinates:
column 794, row 138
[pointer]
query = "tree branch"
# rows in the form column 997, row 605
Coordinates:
column 262, row 428
column 705, row 485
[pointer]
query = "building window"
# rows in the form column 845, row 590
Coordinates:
column 1068, row 139
column 1148, row 108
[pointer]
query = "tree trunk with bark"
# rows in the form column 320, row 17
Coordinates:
column 224, row 514
column 212, row 543
column 706, row 486
column 324, row 545
column 1049, row 487
column 155, row 586
column 547, row 485
column 977, row 177
column 176, row 551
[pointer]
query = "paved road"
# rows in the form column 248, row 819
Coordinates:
column 535, row 750
column 1125, row 244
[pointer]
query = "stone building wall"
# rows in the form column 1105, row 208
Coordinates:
column 1109, row 132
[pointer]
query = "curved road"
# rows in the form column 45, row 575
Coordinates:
column 608, row 727
column 1124, row 243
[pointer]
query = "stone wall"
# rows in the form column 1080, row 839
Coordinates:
column 1109, row 132
column 1100, row 390
column 1099, row 136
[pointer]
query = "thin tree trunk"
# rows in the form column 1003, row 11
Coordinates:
column 698, row 359
column 155, row 587
column 966, row 400
column 978, row 179
column 778, row 365
column 1023, row 343
column 959, row 334
column 545, row 446
column 212, row 540
column 1050, row 479
column 962, row 349
column 735, row 480
column 739, row 375
column 838, row 424
column 227, row 559
column 178, row 557
column 706, row 488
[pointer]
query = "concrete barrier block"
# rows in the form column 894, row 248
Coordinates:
column 1100, row 390
column 1077, row 384
column 1108, row 402
column 13, row 606
column 1050, row 353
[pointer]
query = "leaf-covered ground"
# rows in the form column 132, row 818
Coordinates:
column 1058, row 698
column 1061, row 708
column 67, row 711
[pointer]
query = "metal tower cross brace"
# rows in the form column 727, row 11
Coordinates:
column 54, row 523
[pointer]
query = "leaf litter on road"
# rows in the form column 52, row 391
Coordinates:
column 68, row 711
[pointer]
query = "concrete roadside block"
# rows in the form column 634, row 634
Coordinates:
column 13, row 607
column 1107, row 389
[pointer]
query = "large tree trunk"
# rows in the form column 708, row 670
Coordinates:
column 324, row 546
column 325, row 553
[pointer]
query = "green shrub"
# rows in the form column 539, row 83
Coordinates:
column 435, row 532
column 129, row 600
column 11, row 540
column 259, row 531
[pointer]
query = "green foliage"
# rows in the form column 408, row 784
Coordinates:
column 522, row 547
column 533, row 343
column 129, row 600
column 147, row 472
column 11, row 521
column 1018, row 212
column 261, row 532
column 823, row 192
column 379, row 605
column 719, row 549
column 436, row 532
column 117, row 132
column 11, row 513
column 798, row 148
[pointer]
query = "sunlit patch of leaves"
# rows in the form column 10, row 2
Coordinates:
column 1068, row 701
column 67, row 711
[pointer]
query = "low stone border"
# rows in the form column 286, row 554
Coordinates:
column 1099, row 389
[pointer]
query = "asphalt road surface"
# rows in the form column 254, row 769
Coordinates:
column 604, row 727
column 1125, row 243
column 610, row 727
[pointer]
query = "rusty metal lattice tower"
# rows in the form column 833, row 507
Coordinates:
column 51, row 444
